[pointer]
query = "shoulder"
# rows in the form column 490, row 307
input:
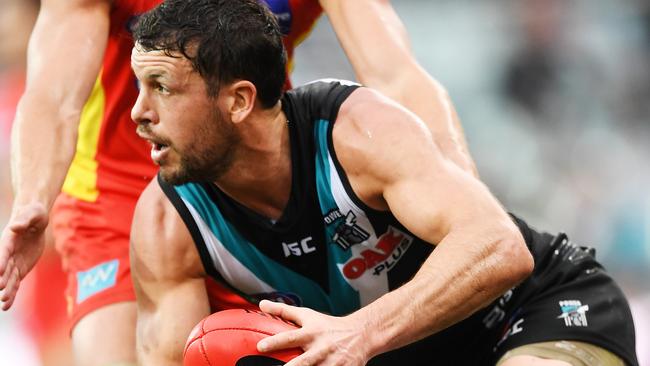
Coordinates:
column 377, row 141
column 160, row 238
column 372, row 125
column 366, row 110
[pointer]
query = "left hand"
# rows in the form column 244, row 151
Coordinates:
column 325, row 340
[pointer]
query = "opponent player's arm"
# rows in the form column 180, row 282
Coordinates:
column 168, row 278
column 65, row 54
column 64, row 57
column 480, row 252
column 376, row 43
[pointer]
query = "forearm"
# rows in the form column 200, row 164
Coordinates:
column 377, row 45
column 154, row 345
column 162, row 333
column 451, row 285
column 65, row 55
column 43, row 145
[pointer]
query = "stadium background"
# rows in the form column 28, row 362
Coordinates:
column 554, row 96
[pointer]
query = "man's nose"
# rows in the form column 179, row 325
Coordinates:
column 142, row 111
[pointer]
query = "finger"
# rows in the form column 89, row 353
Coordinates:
column 12, row 297
column 6, row 275
column 9, row 293
column 306, row 359
column 287, row 312
column 284, row 340
column 5, row 254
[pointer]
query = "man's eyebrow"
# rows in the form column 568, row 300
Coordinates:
column 155, row 75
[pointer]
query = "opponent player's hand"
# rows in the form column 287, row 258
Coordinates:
column 325, row 340
column 21, row 245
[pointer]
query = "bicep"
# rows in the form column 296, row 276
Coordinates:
column 66, row 50
column 395, row 161
column 433, row 197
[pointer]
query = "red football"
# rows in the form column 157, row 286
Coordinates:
column 229, row 338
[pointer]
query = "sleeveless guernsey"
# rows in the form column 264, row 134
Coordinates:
column 332, row 253
column 328, row 251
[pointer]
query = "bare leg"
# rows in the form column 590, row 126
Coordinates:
column 106, row 336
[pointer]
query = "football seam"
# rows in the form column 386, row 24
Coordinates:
column 239, row 328
column 200, row 338
column 203, row 353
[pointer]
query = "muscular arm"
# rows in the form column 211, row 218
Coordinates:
column 375, row 41
column 168, row 278
column 480, row 253
column 64, row 57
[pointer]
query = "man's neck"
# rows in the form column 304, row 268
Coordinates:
column 260, row 177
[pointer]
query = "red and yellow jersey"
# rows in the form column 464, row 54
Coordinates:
column 110, row 158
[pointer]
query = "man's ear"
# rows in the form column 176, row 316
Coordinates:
column 241, row 100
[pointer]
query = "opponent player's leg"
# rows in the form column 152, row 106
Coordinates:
column 93, row 239
column 106, row 336
column 44, row 316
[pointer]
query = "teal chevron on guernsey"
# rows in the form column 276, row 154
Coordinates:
column 328, row 204
column 236, row 249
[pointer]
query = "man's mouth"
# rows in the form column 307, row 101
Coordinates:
column 158, row 152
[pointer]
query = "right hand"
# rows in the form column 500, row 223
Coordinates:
column 21, row 245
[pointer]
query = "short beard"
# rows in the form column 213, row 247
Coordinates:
column 199, row 169
column 205, row 161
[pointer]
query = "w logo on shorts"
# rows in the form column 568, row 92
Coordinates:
column 96, row 279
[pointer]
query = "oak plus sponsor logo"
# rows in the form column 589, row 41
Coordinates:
column 99, row 278
column 573, row 313
column 378, row 258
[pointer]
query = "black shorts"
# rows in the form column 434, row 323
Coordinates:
column 569, row 296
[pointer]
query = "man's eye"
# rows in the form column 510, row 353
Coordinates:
column 161, row 89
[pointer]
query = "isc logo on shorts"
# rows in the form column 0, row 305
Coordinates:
column 96, row 279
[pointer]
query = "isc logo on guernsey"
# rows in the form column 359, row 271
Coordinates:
column 386, row 253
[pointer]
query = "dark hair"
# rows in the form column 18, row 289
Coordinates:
column 225, row 40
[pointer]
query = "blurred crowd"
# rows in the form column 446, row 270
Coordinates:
column 554, row 96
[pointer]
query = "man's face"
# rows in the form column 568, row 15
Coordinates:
column 191, row 140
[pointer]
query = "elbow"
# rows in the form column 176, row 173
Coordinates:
column 516, row 260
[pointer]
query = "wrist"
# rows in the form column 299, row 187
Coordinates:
column 34, row 207
column 369, row 332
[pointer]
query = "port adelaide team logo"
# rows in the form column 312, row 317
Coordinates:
column 376, row 257
column 573, row 313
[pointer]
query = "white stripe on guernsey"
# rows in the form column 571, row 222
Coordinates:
column 333, row 80
column 231, row 269
column 369, row 286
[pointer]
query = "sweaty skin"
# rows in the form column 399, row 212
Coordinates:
column 454, row 209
